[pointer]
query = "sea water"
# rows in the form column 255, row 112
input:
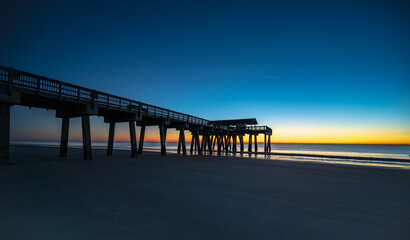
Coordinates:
column 375, row 154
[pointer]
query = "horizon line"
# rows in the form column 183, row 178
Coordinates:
column 237, row 142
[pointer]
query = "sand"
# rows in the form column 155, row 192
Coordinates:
column 197, row 197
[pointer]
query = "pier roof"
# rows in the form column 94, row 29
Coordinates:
column 247, row 121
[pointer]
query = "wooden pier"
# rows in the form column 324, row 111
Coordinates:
column 70, row 101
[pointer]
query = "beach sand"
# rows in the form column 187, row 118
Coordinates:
column 197, row 197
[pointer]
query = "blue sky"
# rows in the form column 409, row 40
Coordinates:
column 332, row 64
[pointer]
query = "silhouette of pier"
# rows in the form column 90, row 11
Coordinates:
column 70, row 101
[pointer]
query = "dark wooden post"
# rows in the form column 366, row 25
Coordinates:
column 192, row 143
column 142, row 135
column 111, row 132
column 203, row 144
column 241, row 140
column 250, row 143
column 179, row 144
column 133, row 139
column 64, row 136
column 218, row 139
column 256, row 143
column 163, row 136
column 4, row 134
column 209, row 140
column 182, row 140
column 85, row 122
column 265, row 146
column 198, row 143
column 234, row 143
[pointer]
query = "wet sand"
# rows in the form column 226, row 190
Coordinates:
column 197, row 197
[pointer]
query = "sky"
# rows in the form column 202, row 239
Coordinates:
column 314, row 71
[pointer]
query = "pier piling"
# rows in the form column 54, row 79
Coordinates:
column 4, row 134
column 163, row 135
column 256, row 143
column 111, row 132
column 133, row 139
column 250, row 143
column 85, row 123
column 64, row 136
column 142, row 136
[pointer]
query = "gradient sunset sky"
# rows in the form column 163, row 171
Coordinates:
column 314, row 71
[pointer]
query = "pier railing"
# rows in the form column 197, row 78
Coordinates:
column 70, row 92
column 259, row 129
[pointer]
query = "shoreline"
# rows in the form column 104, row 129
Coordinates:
column 401, row 160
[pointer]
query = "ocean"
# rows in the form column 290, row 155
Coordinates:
column 376, row 155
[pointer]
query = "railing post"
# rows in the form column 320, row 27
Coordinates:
column 139, row 109
column 38, row 82
column 60, row 90
column 93, row 95
column 11, row 79
column 78, row 94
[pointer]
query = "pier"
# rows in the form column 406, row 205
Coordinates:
column 71, row 101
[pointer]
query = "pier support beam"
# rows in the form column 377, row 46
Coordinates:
column 142, row 135
column 85, row 122
column 4, row 134
column 203, row 144
column 192, row 143
column 181, row 142
column 163, row 136
column 256, row 143
column 209, row 140
column 133, row 139
column 64, row 136
column 110, row 145
column 250, row 143
column 226, row 142
column 218, row 139
column 234, row 137
column 198, row 143
column 241, row 140
column 265, row 147
column 269, row 145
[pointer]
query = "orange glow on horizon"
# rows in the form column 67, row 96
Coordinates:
column 321, row 135
column 281, row 134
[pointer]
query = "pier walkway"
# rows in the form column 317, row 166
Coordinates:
column 70, row 101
